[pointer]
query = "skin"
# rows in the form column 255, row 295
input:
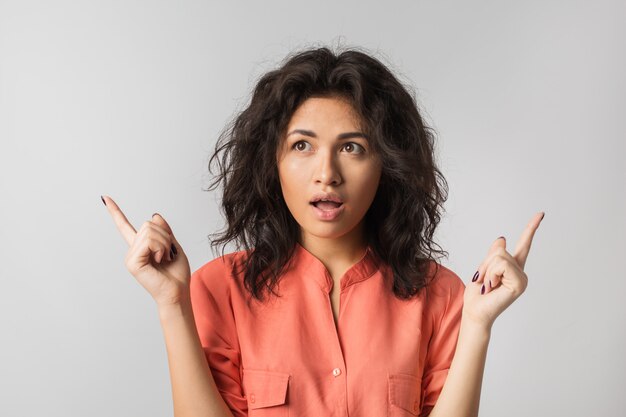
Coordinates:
column 326, row 163
column 166, row 276
column 482, row 304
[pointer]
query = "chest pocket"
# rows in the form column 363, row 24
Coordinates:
column 266, row 393
column 404, row 395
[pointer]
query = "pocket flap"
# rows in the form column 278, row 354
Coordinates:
column 265, row 388
column 405, row 392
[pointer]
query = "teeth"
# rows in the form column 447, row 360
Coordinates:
column 324, row 199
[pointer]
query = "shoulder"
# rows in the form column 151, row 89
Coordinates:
column 445, row 289
column 446, row 280
column 216, row 276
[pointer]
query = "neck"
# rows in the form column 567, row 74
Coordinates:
column 348, row 248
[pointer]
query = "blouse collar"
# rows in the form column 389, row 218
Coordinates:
column 313, row 267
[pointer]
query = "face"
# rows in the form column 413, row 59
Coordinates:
column 325, row 152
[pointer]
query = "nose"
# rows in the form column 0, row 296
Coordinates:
column 327, row 170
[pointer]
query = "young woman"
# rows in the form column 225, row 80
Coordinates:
column 335, row 305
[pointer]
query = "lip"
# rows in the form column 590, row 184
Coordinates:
column 326, row 196
column 327, row 214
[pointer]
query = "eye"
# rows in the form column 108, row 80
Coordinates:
column 351, row 145
column 295, row 145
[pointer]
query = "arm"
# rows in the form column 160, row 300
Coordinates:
column 193, row 387
column 460, row 395
column 499, row 281
column 168, row 279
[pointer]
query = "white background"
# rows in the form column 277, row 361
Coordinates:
column 126, row 98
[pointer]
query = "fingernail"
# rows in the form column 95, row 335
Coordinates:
column 475, row 276
column 542, row 216
column 502, row 237
column 490, row 286
column 482, row 289
column 154, row 214
column 171, row 254
column 104, row 202
column 174, row 250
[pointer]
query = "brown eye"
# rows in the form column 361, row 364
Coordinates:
column 350, row 147
column 298, row 147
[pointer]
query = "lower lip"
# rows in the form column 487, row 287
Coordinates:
column 328, row 214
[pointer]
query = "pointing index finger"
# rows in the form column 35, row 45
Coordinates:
column 523, row 245
column 123, row 225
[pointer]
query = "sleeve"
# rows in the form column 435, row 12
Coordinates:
column 443, row 340
column 215, row 323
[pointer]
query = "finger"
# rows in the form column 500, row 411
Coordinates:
column 150, row 244
column 498, row 246
column 123, row 225
column 156, row 228
column 166, row 238
column 494, row 279
column 162, row 223
column 500, row 242
column 493, row 273
column 506, row 271
column 523, row 245
column 158, row 247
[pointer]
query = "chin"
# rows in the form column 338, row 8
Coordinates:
column 328, row 230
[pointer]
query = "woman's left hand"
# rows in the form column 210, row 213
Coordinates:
column 501, row 278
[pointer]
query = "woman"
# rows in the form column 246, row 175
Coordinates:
column 335, row 305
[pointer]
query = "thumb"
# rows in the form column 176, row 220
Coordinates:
column 160, row 221
column 498, row 243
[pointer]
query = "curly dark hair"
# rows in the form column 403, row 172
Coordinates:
column 401, row 221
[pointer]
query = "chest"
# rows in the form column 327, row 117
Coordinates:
column 334, row 351
column 334, row 303
column 307, row 323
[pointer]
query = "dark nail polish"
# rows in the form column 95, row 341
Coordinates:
column 104, row 202
column 154, row 214
column 174, row 250
column 502, row 237
column 542, row 216
column 171, row 254
column 475, row 276
column 490, row 286
column 482, row 289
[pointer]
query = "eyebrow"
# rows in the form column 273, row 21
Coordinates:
column 347, row 135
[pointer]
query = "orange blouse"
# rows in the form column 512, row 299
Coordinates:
column 385, row 357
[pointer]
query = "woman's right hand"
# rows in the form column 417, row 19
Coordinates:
column 154, row 258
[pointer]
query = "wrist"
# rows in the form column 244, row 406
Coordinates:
column 177, row 309
column 474, row 326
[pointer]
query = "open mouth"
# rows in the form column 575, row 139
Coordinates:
column 326, row 205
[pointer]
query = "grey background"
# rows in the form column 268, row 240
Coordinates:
column 127, row 98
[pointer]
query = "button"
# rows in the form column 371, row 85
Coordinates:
column 336, row 371
column 252, row 398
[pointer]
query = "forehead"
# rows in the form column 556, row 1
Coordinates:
column 330, row 111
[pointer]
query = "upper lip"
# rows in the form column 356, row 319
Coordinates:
column 326, row 196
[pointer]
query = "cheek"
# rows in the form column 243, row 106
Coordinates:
column 368, row 182
column 292, row 180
